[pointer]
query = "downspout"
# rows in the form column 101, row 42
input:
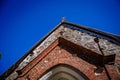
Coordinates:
column 100, row 49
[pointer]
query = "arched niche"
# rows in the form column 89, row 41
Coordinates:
column 63, row 72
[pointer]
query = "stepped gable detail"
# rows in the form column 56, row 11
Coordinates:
column 83, row 48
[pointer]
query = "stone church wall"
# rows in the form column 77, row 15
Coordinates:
column 78, row 36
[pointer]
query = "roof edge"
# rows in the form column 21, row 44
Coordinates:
column 106, row 34
column 15, row 65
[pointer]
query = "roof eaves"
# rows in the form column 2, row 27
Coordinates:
column 109, row 35
column 13, row 67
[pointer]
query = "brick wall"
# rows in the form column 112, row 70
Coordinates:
column 57, row 54
column 79, row 36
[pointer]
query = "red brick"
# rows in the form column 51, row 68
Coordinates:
column 61, row 56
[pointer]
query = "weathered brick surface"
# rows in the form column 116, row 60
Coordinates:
column 117, row 64
column 62, row 56
column 112, row 72
column 78, row 36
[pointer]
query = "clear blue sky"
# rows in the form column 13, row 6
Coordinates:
column 24, row 22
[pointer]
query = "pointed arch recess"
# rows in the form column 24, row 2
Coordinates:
column 63, row 71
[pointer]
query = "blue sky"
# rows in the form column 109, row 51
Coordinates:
column 24, row 22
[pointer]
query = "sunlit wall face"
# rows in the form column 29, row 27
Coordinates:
column 24, row 22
